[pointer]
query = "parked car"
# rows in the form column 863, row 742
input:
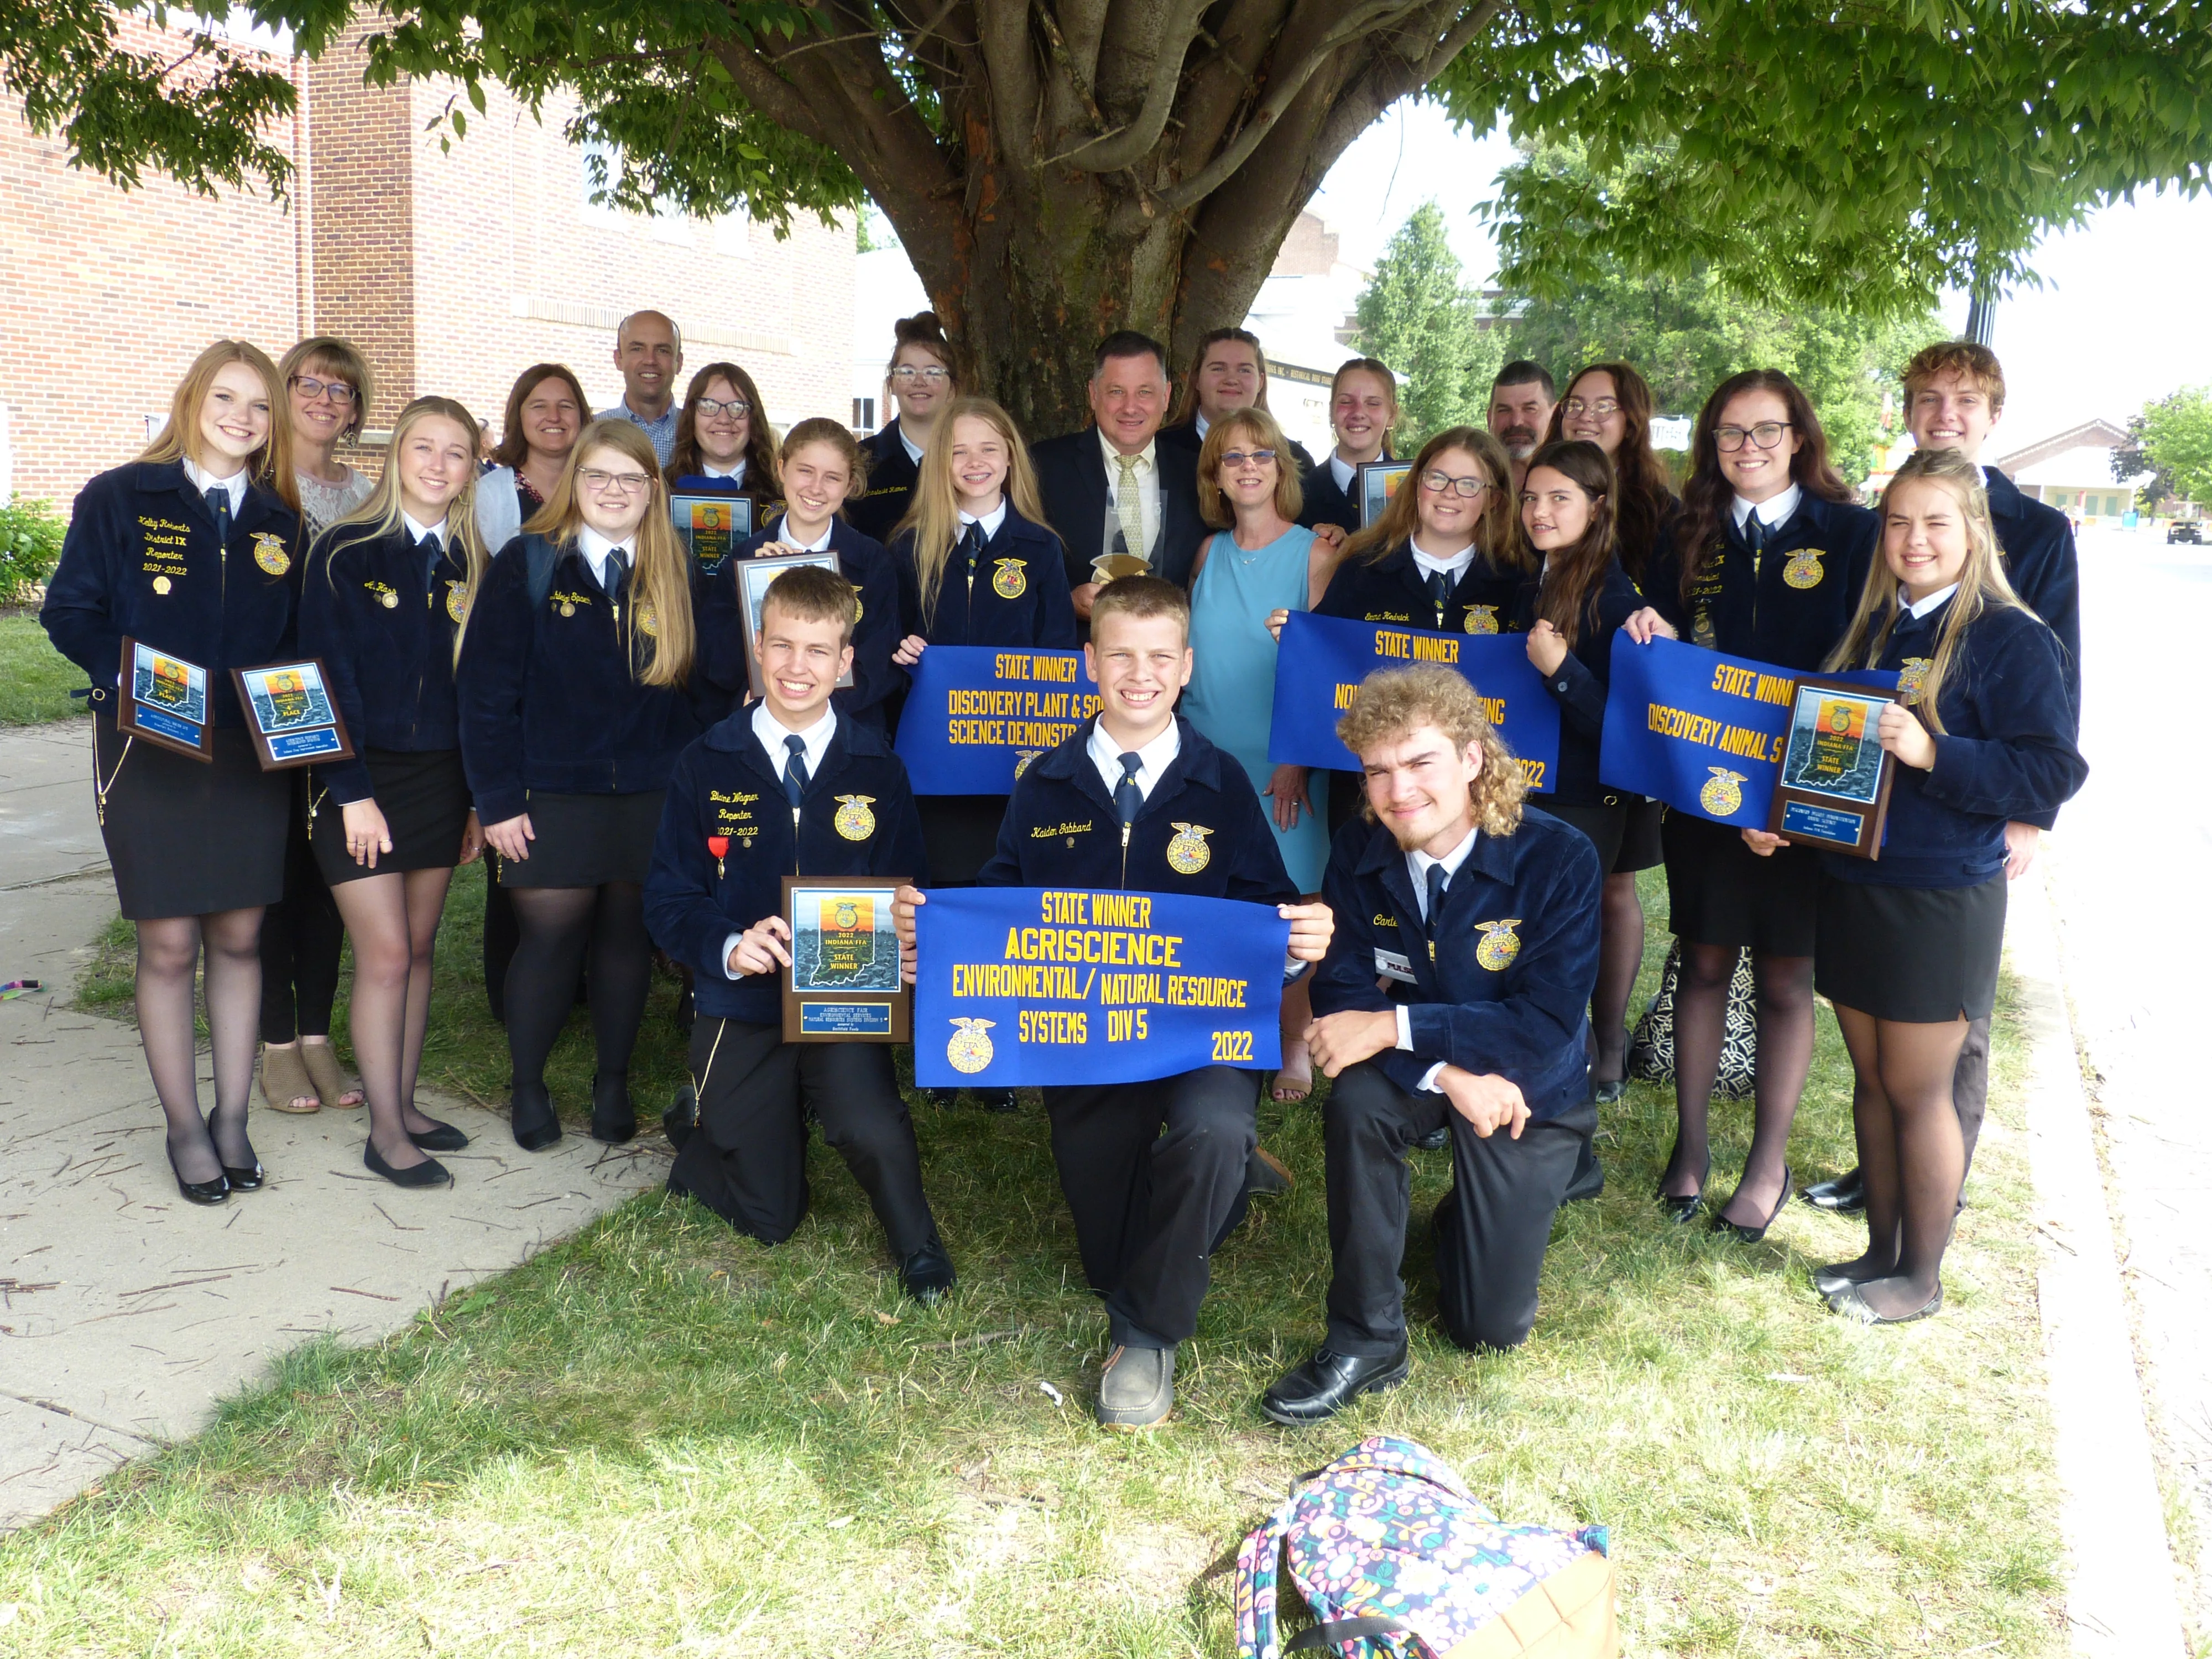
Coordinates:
column 2184, row 530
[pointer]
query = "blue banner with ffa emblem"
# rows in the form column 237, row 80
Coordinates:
column 1322, row 660
column 1702, row 731
column 1022, row 985
column 976, row 715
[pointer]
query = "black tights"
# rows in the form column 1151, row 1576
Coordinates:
column 1620, row 953
column 393, row 919
column 168, row 950
column 559, row 926
column 301, row 939
column 1910, row 1153
column 1785, row 993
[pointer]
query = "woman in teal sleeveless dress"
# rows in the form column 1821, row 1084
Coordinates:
column 1261, row 563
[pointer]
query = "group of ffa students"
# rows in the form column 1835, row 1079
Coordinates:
column 529, row 662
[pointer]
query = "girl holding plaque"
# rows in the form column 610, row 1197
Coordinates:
column 191, row 551
column 724, row 446
column 384, row 606
column 576, row 688
column 1767, row 560
column 1363, row 407
column 1908, row 943
column 921, row 380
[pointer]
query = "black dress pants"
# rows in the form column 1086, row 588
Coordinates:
column 746, row 1161
column 1154, row 1174
column 1491, row 1231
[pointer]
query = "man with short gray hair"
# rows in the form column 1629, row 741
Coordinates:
column 648, row 350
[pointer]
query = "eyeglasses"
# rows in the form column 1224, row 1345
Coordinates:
column 601, row 483
column 337, row 391
column 1766, row 435
column 907, row 374
column 1240, row 458
column 1600, row 407
column 736, row 409
column 1437, row 483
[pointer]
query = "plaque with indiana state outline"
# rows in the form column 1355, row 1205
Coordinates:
column 1833, row 790
column 843, row 983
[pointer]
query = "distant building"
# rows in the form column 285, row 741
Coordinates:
column 451, row 271
column 2072, row 471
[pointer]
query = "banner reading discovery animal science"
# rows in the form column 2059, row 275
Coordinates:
column 1322, row 660
column 1020, row 986
column 1701, row 732
column 976, row 716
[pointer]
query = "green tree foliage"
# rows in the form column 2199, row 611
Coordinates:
column 30, row 546
column 1687, row 332
column 1417, row 317
column 2175, row 435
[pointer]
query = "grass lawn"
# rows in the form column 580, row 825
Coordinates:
column 660, row 1438
column 35, row 679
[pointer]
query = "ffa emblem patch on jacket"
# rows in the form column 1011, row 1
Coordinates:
column 1721, row 795
column 1804, row 569
column 1011, row 580
column 1480, row 619
column 854, row 821
column 268, row 553
column 969, row 1048
column 1022, row 759
column 1913, row 677
column 1188, row 853
column 1499, row 944
column 648, row 619
column 457, row 601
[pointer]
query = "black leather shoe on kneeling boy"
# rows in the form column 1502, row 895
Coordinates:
column 927, row 1274
column 1329, row 1381
column 1845, row 1195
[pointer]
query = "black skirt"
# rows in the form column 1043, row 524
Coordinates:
column 1922, row 956
column 1605, row 825
column 586, row 841
column 959, row 833
column 424, row 797
column 1721, row 892
column 187, row 837
column 1640, row 848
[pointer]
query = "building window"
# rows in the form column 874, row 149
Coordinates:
column 864, row 414
column 597, row 160
column 733, row 232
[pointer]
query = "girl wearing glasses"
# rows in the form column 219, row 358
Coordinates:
column 302, row 935
column 724, row 446
column 1767, row 562
column 1363, row 407
column 577, row 688
column 922, row 381
column 192, row 549
column 1445, row 556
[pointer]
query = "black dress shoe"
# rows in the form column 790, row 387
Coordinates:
column 614, row 1119
column 943, row 1100
column 428, row 1173
column 682, row 1116
column 246, row 1181
column 536, row 1125
column 1329, row 1381
column 1681, row 1209
column 1845, row 1195
column 1608, row 1091
column 1001, row 1101
column 440, row 1137
column 201, row 1192
column 927, row 1274
column 1848, row 1301
column 1437, row 1139
column 1751, row 1234
column 1831, row 1279
column 1264, row 1174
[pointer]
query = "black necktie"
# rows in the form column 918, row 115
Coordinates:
column 971, row 544
column 431, row 550
column 617, row 572
column 1755, row 536
column 1440, row 590
column 218, row 501
column 1439, row 878
column 794, row 770
column 1128, row 799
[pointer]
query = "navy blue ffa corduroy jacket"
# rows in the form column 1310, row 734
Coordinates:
column 1324, row 502
column 382, row 618
column 2040, row 562
column 1794, row 609
column 856, row 818
column 1016, row 594
column 1580, row 686
column 2007, row 753
column 1515, row 960
column 1202, row 830
column 550, row 693
column 892, row 475
column 1391, row 590
column 863, row 562
column 141, row 558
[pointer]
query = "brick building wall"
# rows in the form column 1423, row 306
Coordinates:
column 451, row 271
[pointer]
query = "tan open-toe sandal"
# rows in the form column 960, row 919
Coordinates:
column 285, row 1084
column 331, row 1084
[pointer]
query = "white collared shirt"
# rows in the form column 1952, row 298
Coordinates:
column 914, row 451
column 595, row 548
column 203, row 480
column 1198, row 420
column 1343, row 471
column 1156, row 755
column 1148, row 489
column 708, row 470
column 1453, row 565
column 1935, row 599
column 990, row 520
column 772, row 734
column 1417, row 867
column 821, row 544
column 416, row 529
column 1774, row 512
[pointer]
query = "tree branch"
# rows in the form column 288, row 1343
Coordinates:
column 1109, row 152
column 1003, row 27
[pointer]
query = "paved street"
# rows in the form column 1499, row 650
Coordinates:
column 2130, row 878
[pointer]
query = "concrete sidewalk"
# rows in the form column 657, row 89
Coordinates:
column 126, row 1312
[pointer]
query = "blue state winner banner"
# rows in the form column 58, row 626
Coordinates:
column 1702, row 731
column 1022, row 985
column 976, row 715
column 1322, row 660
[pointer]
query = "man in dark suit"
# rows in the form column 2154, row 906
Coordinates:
column 1113, row 487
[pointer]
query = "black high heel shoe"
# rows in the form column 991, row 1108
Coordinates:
column 536, row 1125
column 428, row 1173
column 440, row 1137
column 1682, row 1208
column 200, row 1192
column 1751, row 1234
column 614, row 1119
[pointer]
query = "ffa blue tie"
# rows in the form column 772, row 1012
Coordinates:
column 971, row 544
column 1755, row 536
column 1128, row 799
column 429, row 550
column 1439, row 878
column 794, row 770
column 218, row 501
column 1440, row 591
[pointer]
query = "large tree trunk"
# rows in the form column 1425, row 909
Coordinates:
column 1092, row 165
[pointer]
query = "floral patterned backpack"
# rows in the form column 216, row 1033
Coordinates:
column 1394, row 1556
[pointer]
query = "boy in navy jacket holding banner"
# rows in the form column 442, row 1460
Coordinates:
column 1480, row 917
column 1154, row 1172
column 787, row 786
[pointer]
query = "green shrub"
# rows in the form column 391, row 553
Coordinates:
column 30, row 546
